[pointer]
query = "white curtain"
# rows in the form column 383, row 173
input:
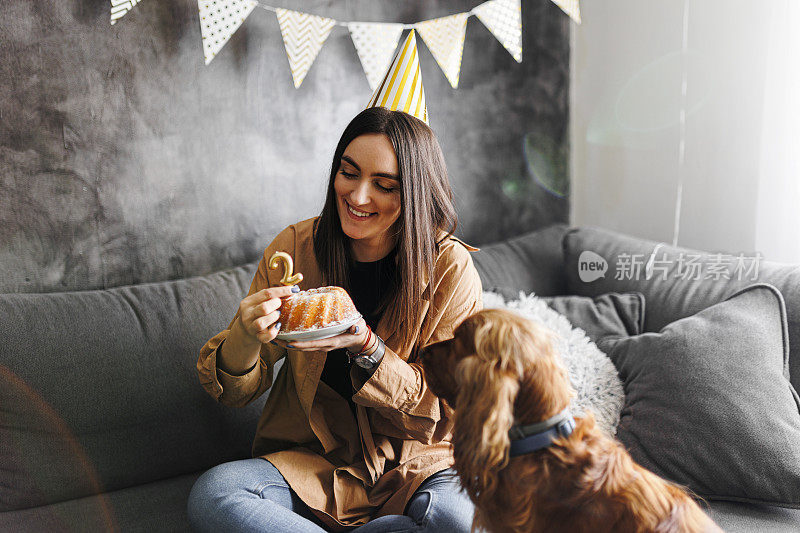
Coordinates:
column 778, row 212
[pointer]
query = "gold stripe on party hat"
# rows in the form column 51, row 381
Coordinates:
column 401, row 88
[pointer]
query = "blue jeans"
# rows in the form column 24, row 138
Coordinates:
column 252, row 495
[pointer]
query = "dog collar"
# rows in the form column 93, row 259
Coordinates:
column 527, row 439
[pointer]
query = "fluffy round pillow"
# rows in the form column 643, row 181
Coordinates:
column 592, row 374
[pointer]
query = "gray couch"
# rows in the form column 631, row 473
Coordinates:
column 103, row 425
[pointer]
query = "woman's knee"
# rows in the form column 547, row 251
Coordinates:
column 206, row 490
column 441, row 504
column 226, row 481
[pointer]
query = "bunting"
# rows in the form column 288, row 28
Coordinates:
column 445, row 39
column 571, row 8
column 119, row 8
column 504, row 19
column 304, row 34
column 219, row 19
column 375, row 43
column 303, row 37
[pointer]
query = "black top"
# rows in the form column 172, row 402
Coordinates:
column 368, row 282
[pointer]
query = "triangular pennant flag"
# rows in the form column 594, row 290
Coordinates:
column 401, row 88
column 219, row 19
column 303, row 37
column 375, row 43
column 119, row 8
column 503, row 18
column 571, row 8
column 445, row 39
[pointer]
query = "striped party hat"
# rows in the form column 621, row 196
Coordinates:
column 401, row 88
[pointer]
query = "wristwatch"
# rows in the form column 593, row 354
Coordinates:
column 368, row 362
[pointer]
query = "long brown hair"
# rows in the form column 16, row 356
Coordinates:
column 426, row 208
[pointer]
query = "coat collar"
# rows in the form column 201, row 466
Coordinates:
column 441, row 239
column 386, row 330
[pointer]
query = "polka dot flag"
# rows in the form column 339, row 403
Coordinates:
column 503, row 19
column 219, row 19
column 375, row 44
column 571, row 8
column 445, row 39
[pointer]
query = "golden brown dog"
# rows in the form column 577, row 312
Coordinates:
column 500, row 370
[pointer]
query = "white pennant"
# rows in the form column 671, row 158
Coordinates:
column 219, row 19
column 375, row 43
column 571, row 8
column 445, row 39
column 303, row 37
column 119, row 8
column 503, row 19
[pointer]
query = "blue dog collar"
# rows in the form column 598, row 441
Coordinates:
column 527, row 439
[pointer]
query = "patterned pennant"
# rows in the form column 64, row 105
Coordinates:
column 571, row 8
column 303, row 37
column 401, row 88
column 504, row 19
column 219, row 19
column 445, row 39
column 119, row 8
column 375, row 43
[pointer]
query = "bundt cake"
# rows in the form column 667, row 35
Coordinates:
column 317, row 308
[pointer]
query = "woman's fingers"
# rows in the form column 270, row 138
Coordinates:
column 274, row 292
column 343, row 340
column 265, row 308
column 266, row 322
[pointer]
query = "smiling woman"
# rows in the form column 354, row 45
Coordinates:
column 404, row 186
column 368, row 199
column 351, row 445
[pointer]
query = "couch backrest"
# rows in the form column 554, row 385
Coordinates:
column 98, row 389
column 530, row 263
column 670, row 299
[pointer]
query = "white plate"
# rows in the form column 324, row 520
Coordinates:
column 317, row 334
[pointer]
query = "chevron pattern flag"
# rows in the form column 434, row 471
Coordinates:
column 219, row 19
column 119, row 8
column 303, row 37
column 445, row 39
column 504, row 19
column 375, row 44
column 401, row 88
column 571, row 8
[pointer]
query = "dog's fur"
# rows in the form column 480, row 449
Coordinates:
column 501, row 369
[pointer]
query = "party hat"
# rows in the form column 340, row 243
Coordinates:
column 401, row 88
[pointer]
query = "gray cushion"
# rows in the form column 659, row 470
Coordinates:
column 530, row 263
column 707, row 402
column 605, row 315
column 149, row 508
column 673, row 298
column 747, row 518
column 98, row 389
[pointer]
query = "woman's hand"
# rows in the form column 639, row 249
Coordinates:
column 259, row 312
column 354, row 338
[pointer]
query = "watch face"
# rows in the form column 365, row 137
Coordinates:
column 365, row 362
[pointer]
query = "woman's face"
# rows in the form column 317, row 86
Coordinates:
column 367, row 187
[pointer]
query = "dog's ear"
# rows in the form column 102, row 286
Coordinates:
column 484, row 412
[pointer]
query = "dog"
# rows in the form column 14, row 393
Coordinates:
column 501, row 374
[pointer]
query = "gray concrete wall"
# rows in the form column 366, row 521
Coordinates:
column 124, row 159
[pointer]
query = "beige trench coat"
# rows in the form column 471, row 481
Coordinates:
column 350, row 469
